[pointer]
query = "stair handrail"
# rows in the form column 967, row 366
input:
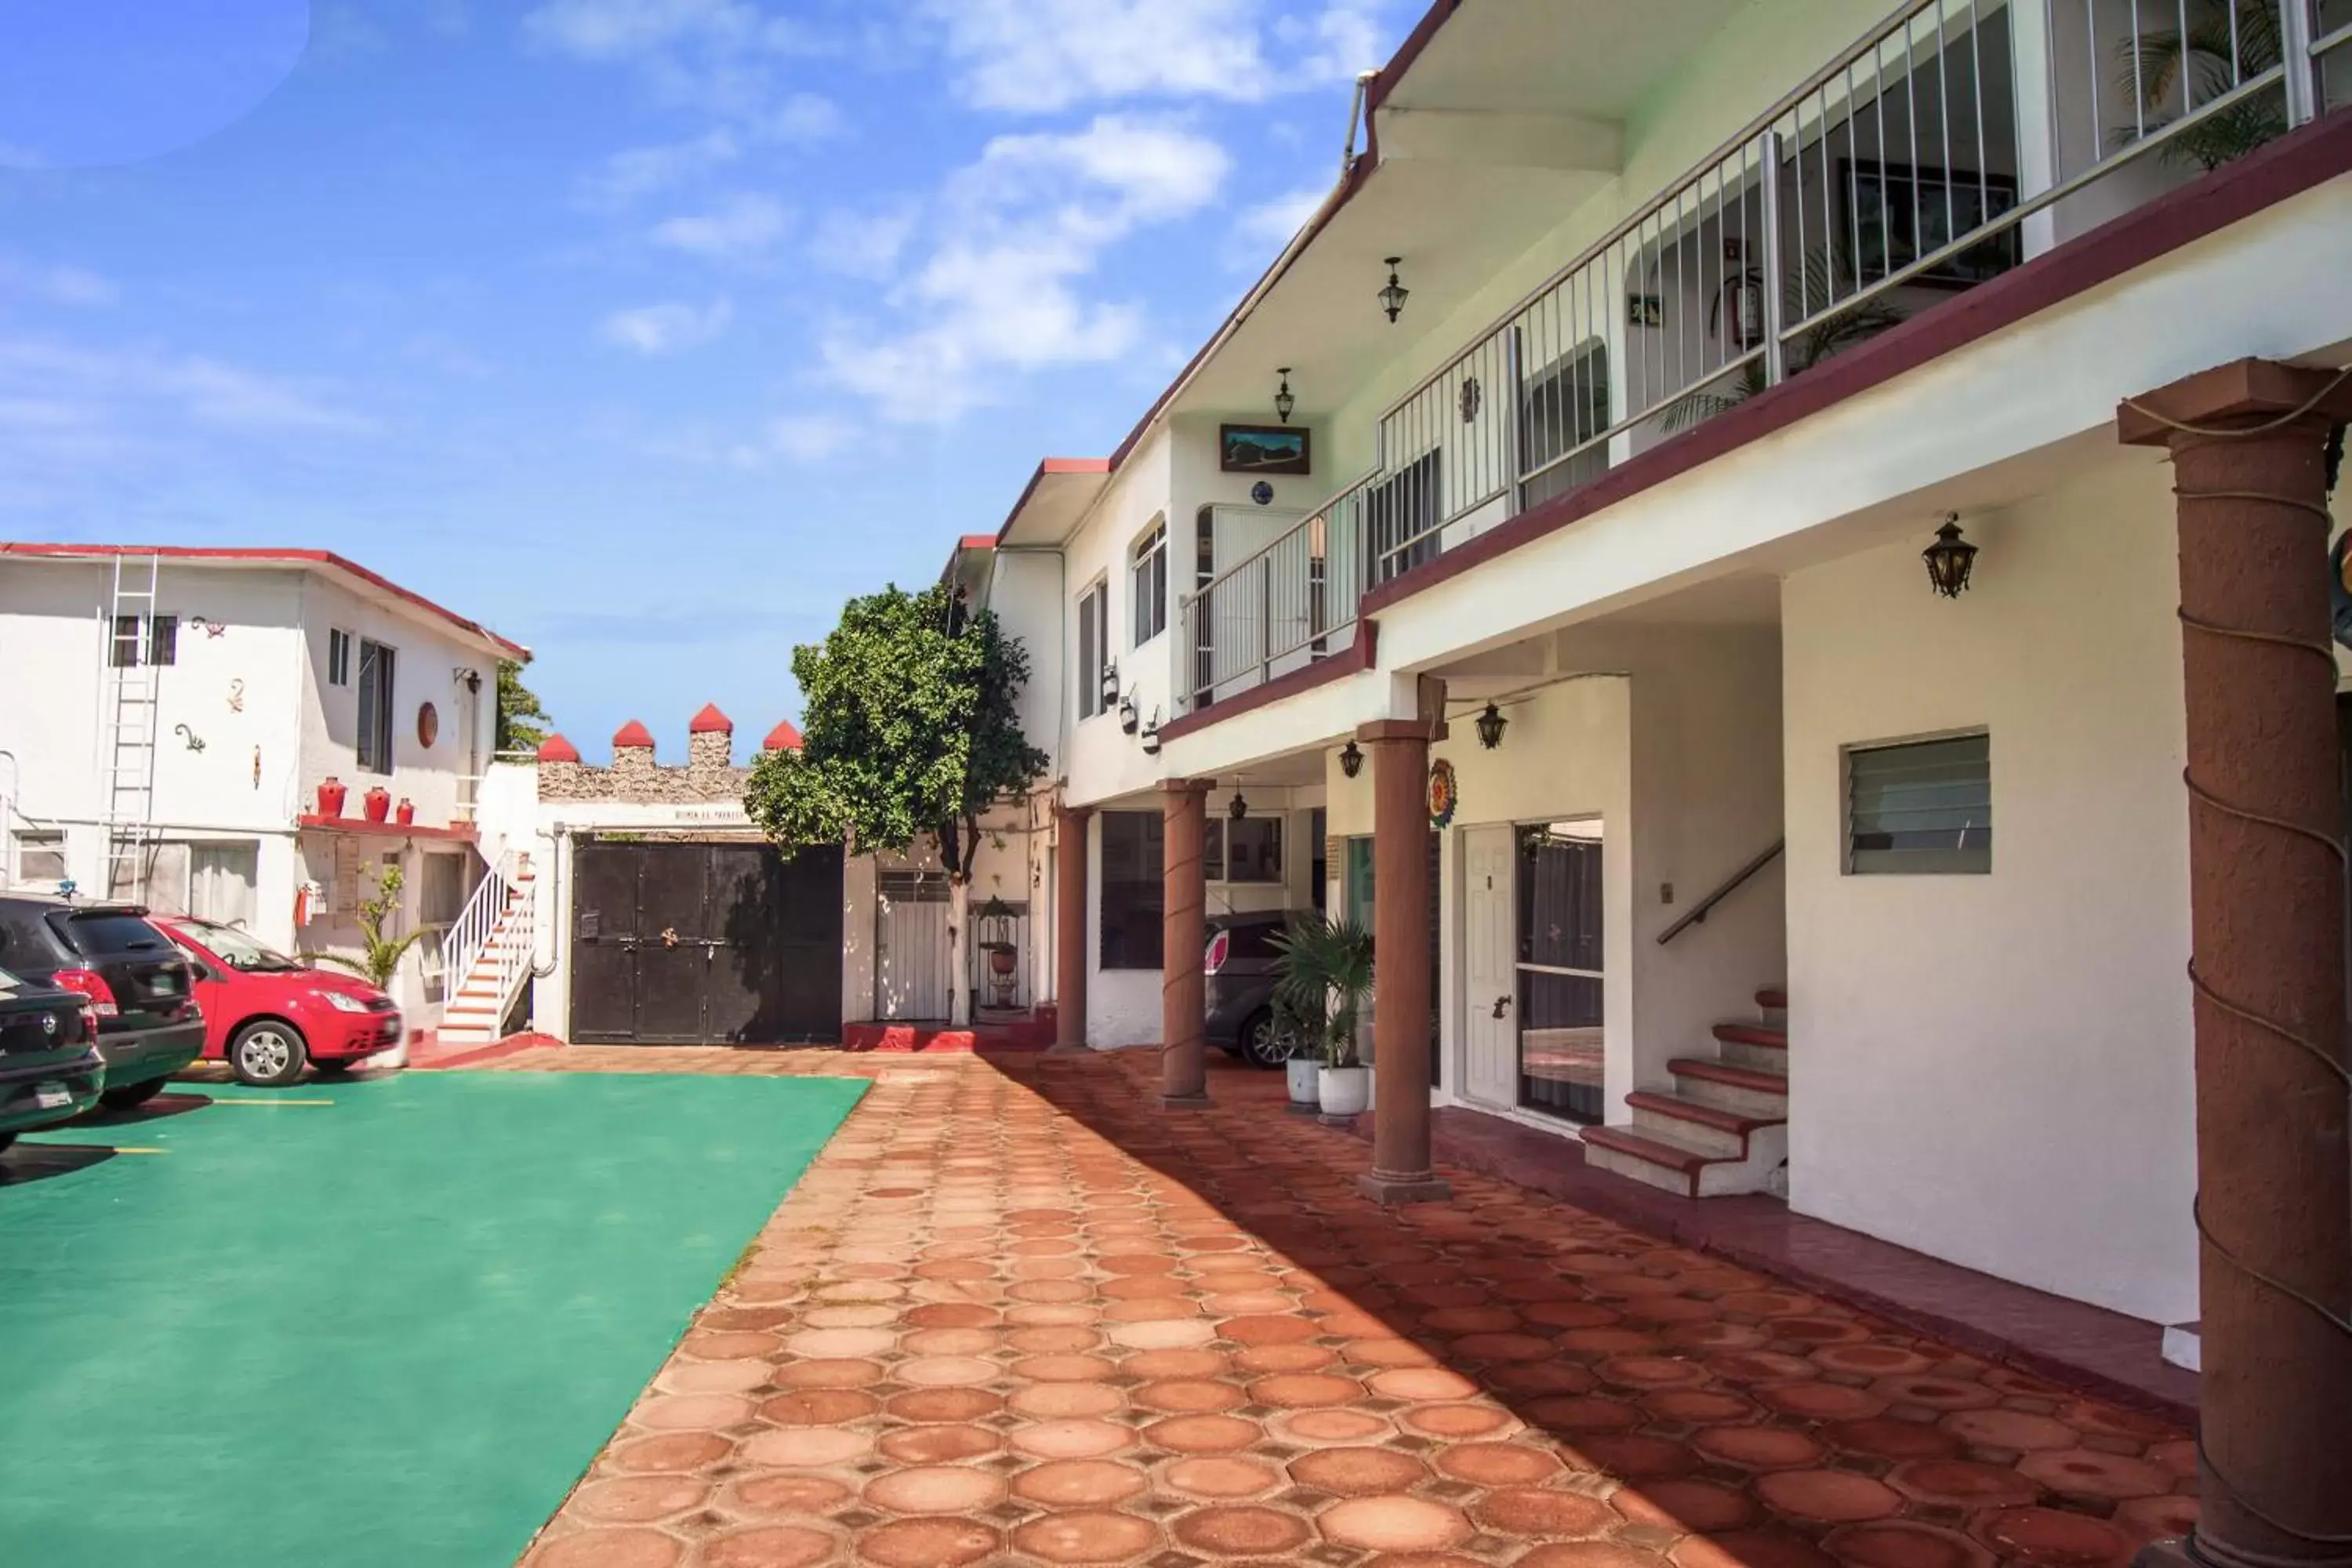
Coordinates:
column 471, row 931
column 1698, row 911
column 517, row 953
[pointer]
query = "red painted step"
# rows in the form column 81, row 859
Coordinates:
column 1713, row 1116
column 1736, row 1078
column 1773, row 997
column 1754, row 1035
column 1688, row 1162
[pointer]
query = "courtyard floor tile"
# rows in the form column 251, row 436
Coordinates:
column 1015, row 1312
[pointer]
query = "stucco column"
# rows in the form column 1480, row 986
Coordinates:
column 1401, row 938
column 1184, row 934
column 2266, row 908
column 1071, row 929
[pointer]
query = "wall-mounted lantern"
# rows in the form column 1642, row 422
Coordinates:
column 1491, row 724
column 1394, row 297
column 1127, row 718
column 1351, row 759
column 1283, row 402
column 1951, row 559
column 1110, row 684
column 1150, row 739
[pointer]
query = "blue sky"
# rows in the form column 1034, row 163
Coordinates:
column 646, row 330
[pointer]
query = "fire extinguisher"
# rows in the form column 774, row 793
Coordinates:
column 1737, row 316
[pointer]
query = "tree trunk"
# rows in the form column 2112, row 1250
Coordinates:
column 958, row 950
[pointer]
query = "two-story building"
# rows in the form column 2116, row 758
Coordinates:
column 1703, row 467
column 202, row 729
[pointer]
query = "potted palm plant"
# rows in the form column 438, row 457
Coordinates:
column 1301, row 1061
column 1325, row 971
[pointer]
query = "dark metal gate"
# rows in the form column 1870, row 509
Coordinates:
column 705, row 943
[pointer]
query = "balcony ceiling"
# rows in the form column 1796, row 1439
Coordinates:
column 1598, row 58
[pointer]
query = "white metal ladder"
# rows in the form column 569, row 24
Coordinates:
column 128, row 717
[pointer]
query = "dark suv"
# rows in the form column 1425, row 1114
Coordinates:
column 49, row 1066
column 148, row 1024
column 1241, row 964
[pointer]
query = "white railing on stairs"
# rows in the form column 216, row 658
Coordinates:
column 497, row 923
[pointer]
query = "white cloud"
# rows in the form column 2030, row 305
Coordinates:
column 628, row 29
column 667, row 328
column 813, row 437
column 715, row 54
column 54, row 285
column 114, row 388
column 1261, row 231
column 806, row 118
column 1019, row 232
column 862, row 245
column 742, row 227
column 1038, row 56
column 638, row 172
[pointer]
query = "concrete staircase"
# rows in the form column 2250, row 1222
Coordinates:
column 1725, row 1128
column 499, row 966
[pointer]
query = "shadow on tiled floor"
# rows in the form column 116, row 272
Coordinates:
column 1016, row 1312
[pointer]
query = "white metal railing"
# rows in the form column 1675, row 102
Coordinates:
column 477, row 924
column 1932, row 155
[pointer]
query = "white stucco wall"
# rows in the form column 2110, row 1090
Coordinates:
column 1996, row 1070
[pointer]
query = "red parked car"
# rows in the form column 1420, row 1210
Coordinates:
column 266, row 1014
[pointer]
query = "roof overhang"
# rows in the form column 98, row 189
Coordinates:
column 1057, row 498
column 350, row 575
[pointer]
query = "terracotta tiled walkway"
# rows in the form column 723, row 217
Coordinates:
column 1017, row 1314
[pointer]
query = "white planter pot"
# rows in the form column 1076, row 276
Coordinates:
column 1301, row 1071
column 1344, row 1092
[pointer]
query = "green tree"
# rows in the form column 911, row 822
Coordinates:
column 909, row 727
column 380, row 950
column 518, row 705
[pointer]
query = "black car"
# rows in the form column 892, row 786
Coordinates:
column 1241, row 962
column 49, row 1065
column 149, row 1026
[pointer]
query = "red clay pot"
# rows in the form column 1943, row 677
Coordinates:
column 407, row 813
column 377, row 803
column 330, row 798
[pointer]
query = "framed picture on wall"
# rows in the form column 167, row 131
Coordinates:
column 1896, row 213
column 1263, row 450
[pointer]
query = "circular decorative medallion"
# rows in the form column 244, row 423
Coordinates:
column 1444, row 795
column 428, row 725
column 1261, row 493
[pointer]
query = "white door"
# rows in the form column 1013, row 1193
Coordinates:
column 1490, row 1038
column 910, row 945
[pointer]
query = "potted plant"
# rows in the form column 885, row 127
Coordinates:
column 996, row 941
column 1301, row 1062
column 381, row 952
column 1326, row 971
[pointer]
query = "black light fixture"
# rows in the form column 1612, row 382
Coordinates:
column 1351, row 759
column 1240, row 806
column 1150, row 739
column 1951, row 559
column 1127, row 718
column 1394, row 297
column 1110, row 684
column 1490, row 727
column 1283, row 402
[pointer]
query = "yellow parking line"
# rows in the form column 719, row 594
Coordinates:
column 218, row 1102
column 132, row 1148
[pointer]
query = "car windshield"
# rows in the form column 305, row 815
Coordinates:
column 239, row 951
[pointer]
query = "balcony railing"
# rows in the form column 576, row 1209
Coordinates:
column 1933, row 156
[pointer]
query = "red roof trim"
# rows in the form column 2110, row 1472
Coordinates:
column 1358, row 656
column 782, row 738
column 461, row 831
column 556, row 748
column 1049, row 466
column 711, row 722
column 283, row 557
column 977, row 541
column 632, row 733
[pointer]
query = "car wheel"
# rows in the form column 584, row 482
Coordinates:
column 1261, row 1045
column 132, row 1094
column 267, row 1054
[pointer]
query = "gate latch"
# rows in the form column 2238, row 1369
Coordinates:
column 669, row 936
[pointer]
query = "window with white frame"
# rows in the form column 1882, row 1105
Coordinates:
column 339, row 656
column 1248, row 851
column 1147, row 577
column 374, row 742
column 144, row 639
column 40, row 856
column 1093, row 648
column 1920, row 807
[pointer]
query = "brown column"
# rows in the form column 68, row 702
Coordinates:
column 2266, row 905
column 1072, row 930
column 1401, row 938
column 1184, row 934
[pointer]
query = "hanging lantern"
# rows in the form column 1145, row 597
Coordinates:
column 1283, row 402
column 1490, row 727
column 1394, row 297
column 1351, row 759
column 1240, row 807
column 1951, row 559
